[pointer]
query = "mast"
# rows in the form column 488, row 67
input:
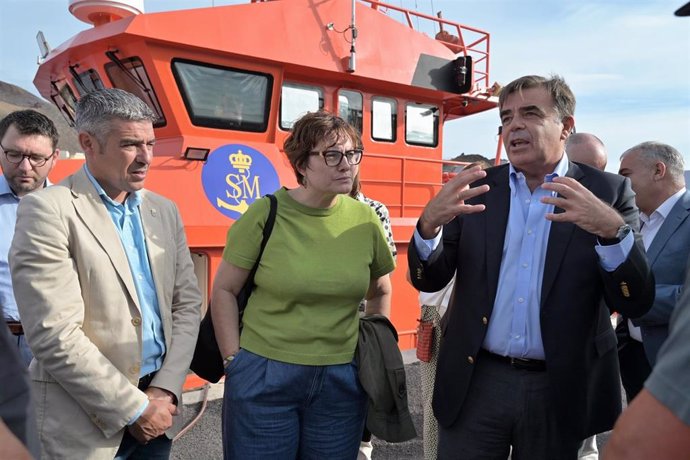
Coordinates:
column 352, row 63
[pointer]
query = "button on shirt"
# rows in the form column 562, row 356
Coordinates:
column 127, row 220
column 8, row 218
column 515, row 329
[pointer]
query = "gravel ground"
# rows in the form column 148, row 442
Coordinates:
column 203, row 440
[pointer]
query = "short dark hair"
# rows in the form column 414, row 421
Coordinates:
column 312, row 129
column 30, row 123
column 562, row 95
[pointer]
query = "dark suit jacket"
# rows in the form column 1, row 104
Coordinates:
column 16, row 405
column 579, row 343
column 668, row 257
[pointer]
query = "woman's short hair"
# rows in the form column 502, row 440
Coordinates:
column 313, row 129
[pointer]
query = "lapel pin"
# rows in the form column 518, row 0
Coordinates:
column 154, row 213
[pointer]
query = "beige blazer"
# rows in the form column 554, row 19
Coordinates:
column 82, row 317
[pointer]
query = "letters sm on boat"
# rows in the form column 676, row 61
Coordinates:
column 235, row 175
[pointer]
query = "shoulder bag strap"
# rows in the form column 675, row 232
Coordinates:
column 268, row 228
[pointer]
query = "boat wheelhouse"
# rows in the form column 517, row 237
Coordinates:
column 227, row 83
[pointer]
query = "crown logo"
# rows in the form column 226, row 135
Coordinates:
column 240, row 161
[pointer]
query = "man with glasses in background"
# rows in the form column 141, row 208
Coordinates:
column 28, row 144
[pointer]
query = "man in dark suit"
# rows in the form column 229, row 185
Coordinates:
column 525, row 360
column 18, row 435
column 656, row 173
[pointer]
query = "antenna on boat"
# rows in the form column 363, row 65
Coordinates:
column 352, row 63
column 43, row 46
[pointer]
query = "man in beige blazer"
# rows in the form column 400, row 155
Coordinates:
column 106, row 289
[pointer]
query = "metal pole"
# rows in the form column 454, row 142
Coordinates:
column 352, row 63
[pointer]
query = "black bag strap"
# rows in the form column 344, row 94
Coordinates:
column 268, row 228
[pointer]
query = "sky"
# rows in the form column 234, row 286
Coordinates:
column 627, row 61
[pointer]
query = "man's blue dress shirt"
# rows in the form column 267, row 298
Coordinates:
column 127, row 221
column 515, row 328
column 8, row 218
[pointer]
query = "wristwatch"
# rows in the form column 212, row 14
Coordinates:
column 622, row 232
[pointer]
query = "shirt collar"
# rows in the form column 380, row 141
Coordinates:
column 664, row 208
column 133, row 199
column 5, row 187
column 560, row 170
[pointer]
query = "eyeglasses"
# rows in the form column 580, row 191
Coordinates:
column 16, row 158
column 335, row 157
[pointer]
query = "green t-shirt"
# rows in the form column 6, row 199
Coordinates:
column 315, row 269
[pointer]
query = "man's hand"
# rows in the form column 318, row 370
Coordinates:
column 450, row 201
column 582, row 208
column 155, row 420
column 160, row 393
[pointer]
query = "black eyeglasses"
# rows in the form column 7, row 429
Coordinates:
column 16, row 158
column 335, row 157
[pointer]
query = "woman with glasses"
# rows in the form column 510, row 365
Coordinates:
column 291, row 385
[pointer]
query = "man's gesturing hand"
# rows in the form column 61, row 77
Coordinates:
column 450, row 201
column 582, row 208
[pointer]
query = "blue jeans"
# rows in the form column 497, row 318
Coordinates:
column 156, row 449
column 274, row 410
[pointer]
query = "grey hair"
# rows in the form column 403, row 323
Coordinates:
column 97, row 109
column 652, row 151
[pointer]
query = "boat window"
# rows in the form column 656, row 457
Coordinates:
column 384, row 118
column 64, row 99
column 297, row 100
column 87, row 82
column 350, row 107
column 421, row 124
column 130, row 75
column 224, row 98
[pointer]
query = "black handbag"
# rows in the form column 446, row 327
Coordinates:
column 207, row 362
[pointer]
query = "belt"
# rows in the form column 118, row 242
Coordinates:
column 15, row 327
column 527, row 364
column 146, row 380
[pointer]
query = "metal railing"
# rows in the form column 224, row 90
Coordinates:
column 461, row 39
column 399, row 202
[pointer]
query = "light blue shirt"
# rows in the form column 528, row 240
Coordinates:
column 515, row 329
column 127, row 221
column 8, row 218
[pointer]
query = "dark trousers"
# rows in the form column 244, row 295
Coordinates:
column 156, row 449
column 634, row 366
column 506, row 407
